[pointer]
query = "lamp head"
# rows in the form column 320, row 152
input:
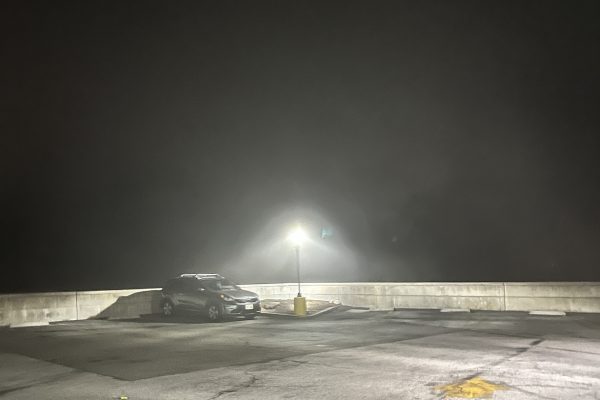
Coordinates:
column 297, row 236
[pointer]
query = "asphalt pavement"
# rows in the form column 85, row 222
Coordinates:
column 344, row 354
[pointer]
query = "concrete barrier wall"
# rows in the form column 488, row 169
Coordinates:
column 493, row 296
column 558, row 296
column 42, row 308
column 386, row 296
column 36, row 308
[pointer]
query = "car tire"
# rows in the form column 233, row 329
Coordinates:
column 215, row 312
column 167, row 308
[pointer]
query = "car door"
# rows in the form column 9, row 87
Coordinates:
column 175, row 289
column 196, row 295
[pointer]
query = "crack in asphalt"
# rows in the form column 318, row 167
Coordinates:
column 539, row 396
column 51, row 379
column 463, row 329
column 571, row 350
column 518, row 352
column 6, row 391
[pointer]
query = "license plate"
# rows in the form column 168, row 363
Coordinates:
column 249, row 306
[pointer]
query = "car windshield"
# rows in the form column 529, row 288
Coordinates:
column 220, row 284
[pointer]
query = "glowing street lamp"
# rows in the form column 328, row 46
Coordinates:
column 297, row 237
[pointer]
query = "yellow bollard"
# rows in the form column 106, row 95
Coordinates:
column 300, row 306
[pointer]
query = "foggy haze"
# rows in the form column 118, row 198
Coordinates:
column 438, row 140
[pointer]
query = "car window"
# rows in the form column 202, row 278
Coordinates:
column 220, row 284
column 191, row 285
column 174, row 285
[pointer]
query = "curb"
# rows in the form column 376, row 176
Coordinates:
column 549, row 313
column 292, row 316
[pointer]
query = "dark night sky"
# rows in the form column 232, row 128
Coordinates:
column 440, row 140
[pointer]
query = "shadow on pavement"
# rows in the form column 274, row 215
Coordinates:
column 182, row 318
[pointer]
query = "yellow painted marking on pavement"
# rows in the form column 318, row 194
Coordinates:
column 474, row 388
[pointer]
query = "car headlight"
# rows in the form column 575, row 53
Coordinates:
column 226, row 298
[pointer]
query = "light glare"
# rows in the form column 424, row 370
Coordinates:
column 297, row 236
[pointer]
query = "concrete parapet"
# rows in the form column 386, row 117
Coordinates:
column 42, row 308
column 381, row 296
column 493, row 296
column 28, row 308
column 553, row 296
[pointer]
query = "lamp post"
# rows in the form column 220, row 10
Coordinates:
column 296, row 237
column 298, row 268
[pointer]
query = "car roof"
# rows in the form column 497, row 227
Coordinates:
column 202, row 276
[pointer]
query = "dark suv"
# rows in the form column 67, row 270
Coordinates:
column 210, row 294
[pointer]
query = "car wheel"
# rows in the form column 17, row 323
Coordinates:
column 215, row 312
column 167, row 308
